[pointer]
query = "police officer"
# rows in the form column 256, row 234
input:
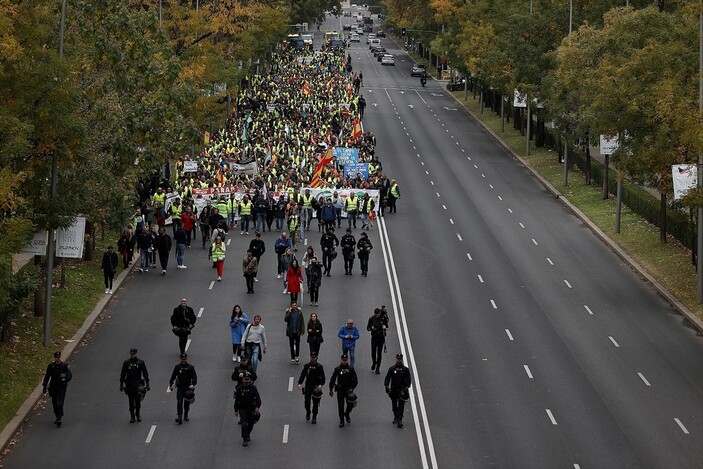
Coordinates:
column 133, row 375
column 377, row 326
column 244, row 368
column 364, row 246
column 183, row 378
column 57, row 376
column 397, row 383
column 183, row 321
column 314, row 376
column 328, row 242
column 246, row 404
column 344, row 381
column 348, row 243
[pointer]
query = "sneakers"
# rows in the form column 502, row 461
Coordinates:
column 182, row 267
column 219, row 279
column 179, row 420
column 256, row 279
column 234, row 358
column 297, row 360
column 242, row 234
column 278, row 276
column 107, row 290
column 238, row 358
column 140, row 270
column 146, row 270
column 163, row 272
column 285, row 290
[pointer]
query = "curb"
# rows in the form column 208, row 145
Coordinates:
column 689, row 317
column 21, row 416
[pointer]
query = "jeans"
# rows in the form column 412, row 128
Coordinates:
column 205, row 230
column 280, row 222
column 250, row 282
column 364, row 219
column 338, row 214
column 253, row 352
column 261, row 221
column 314, row 293
column 245, row 222
column 350, row 353
column 351, row 218
column 180, row 253
column 281, row 269
column 327, row 261
column 144, row 259
column 109, row 275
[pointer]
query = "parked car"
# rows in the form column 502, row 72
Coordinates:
column 353, row 37
column 417, row 70
column 381, row 33
column 388, row 59
column 369, row 37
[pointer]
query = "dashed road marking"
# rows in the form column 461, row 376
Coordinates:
column 643, row 378
column 510, row 336
column 290, row 384
column 500, row 198
column 521, row 225
column 475, row 166
column 527, row 370
column 483, row 175
column 491, row 186
column 432, row 182
column 422, row 163
column 493, row 303
column 212, row 284
column 200, row 313
column 510, row 210
column 588, row 309
column 187, row 344
column 285, row 433
column 443, row 206
column 459, row 236
column 550, row 261
column 229, row 241
column 151, row 434
column 613, row 341
column 451, row 221
column 681, row 426
column 469, row 256
column 437, row 194
column 567, row 283
column 480, row 279
column 534, row 241
column 427, row 172
column 551, row 417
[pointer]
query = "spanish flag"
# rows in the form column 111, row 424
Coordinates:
column 305, row 89
column 357, row 131
column 328, row 158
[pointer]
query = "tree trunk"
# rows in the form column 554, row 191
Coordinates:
column 605, row 177
column 39, row 292
column 662, row 217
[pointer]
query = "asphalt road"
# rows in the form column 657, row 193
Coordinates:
column 533, row 344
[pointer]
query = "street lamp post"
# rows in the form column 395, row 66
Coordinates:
column 699, row 254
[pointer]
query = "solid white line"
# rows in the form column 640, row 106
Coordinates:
column 444, row 206
column 643, row 378
column 527, row 370
column 212, row 284
column 187, row 344
column 613, row 341
column 229, row 241
column 469, row 256
column 510, row 336
column 200, row 313
column 510, row 210
column 151, row 434
column 459, row 236
column 480, row 279
column 550, row 261
column 551, row 417
column 588, row 309
column 290, row 384
column 521, row 225
column 533, row 240
column 285, row 433
column 493, row 303
column 451, row 221
column 567, row 283
column 683, row 429
column 398, row 311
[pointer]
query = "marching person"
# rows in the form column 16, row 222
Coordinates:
column 183, row 379
column 313, row 375
column 343, row 381
column 393, row 196
column 349, row 334
column 257, row 246
column 244, row 368
column 294, row 280
column 364, row 246
column 280, row 246
column 183, row 321
column 218, row 256
column 348, row 243
column 250, row 266
column 314, row 334
column 254, row 341
column 109, row 266
column 377, row 326
column 295, row 327
column 204, row 221
column 133, row 375
column 328, row 242
column 247, row 402
column 397, row 382
column 238, row 323
column 57, row 377
column 163, row 246
column 314, row 280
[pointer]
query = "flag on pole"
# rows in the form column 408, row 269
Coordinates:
column 328, row 158
column 357, row 131
column 306, row 89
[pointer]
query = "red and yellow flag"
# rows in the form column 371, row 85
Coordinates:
column 356, row 130
column 306, row 89
column 328, row 158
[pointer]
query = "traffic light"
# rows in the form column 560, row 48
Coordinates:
column 403, row 32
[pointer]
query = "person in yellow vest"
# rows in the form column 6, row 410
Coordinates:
column 232, row 207
column 294, row 223
column 352, row 208
column 175, row 211
column 309, row 203
column 222, row 208
column 159, row 201
column 245, row 207
column 393, row 196
column 218, row 256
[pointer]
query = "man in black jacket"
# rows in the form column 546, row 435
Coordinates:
column 313, row 375
column 343, row 381
column 348, row 244
column 134, row 374
column 247, row 403
column 328, row 242
column 183, row 378
column 257, row 246
column 397, row 383
column 109, row 266
column 183, row 321
column 377, row 326
column 243, row 369
column 163, row 245
column 57, row 376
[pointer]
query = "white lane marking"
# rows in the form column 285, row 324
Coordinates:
column 229, row 241
column 432, row 182
column 463, row 151
column 576, row 466
column 452, row 136
column 442, row 125
column 551, row 417
column 510, row 210
column 521, row 225
column 475, row 166
column 613, row 341
column 533, row 240
column 493, row 303
column 588, row 309
column 212, row 284
column 500, row 198
column 404, row 339
column 469, row 256
column 527, row 370
column 550, row 261
column 427, row 172
column 422, row 163
column 290, row 384
column 444, row 206
column 187, row 344
column 437, row 194
column 681, row 426
column 411, row 141
column 151, row 434
column 414, row 147
column 643, row 378
column 418, row 155
column 305, row 241
column 567, row 283
column 407, row 134
column 483, row 175
column 451, row 221
column 200, row 313
column 480, row 279
column 459, row 236
column 510, row 336
column 456, row 142
column 285, row 433
column 389, row 99
column 491, row 186
column 468, row 158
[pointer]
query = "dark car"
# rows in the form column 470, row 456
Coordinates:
column 378, row 52
column 381, row 33
column 417, row 70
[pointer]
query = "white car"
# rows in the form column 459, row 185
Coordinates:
column 359, row 31
column 353, row 37
column 369, row 37
column 307, row 39
column 387, row 59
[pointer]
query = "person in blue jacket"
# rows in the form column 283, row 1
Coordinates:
column 349, row 334
column 238, row 324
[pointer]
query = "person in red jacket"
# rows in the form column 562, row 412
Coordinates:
column 294, row 278
column 188, row 221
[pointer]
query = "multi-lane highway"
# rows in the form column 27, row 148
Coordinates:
column 531, row 344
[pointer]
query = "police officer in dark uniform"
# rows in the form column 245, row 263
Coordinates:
column 183, row 321
column 242, row 370
column 314, row 376
column 133, row 375
column 397, row 383
column 183, row 378
column 246, row 406
column 348, row 243
column 364, row 246
column 57, row 376
column 377, row 326
column 344, row 381
column 328, row 242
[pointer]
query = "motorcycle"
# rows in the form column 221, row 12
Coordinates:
column 423, row 81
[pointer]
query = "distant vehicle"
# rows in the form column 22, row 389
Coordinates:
column 353, row 37
column 379, row 51
column 337, row 44
column 388, row 59
column 417, row 70
column 307, row 39
column 347, row 27
column 369, row 37
column 381, row 33
column 368, row 28
column 330, row 35
column 296, row 42
column 360, row 31
column 347, row 13
column 374, row 43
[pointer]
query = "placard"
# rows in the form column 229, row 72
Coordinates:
column 351, row 170
column 69, row 241
column 345, row 155
column 37, row 246
column 685, row 177
column 608, row 145
column 190, row 166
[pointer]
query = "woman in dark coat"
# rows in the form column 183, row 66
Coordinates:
column 314, row 334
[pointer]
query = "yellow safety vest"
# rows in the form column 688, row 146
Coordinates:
column 176, row 211
column 307, row 201
column 351, row 204
column 394, row 191
column 159, row 200
column 222, row 207
column 245, row 208
column 218, row 253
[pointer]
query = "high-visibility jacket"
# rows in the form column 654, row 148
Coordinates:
column 307, row 201
column 352, row 204
column 159, row 200
column 222, row 207
column 245, row 208
column 395, row 192
column 232, row 205
column 218, row 253
column 176, row 211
